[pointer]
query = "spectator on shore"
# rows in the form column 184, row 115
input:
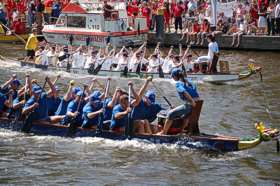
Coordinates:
column 3, row 18
column 31, row 10
column 271, row 19
column 55, row 12
column 236, row 33
column 40, row 8
column 195, row 30
column 178, row 12
column 262, row 18
column 167, row 16
column 277, row 17
column 204, row 30
column 146, row 12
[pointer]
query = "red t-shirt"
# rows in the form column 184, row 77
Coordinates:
column 178, row 11
column 196, row 28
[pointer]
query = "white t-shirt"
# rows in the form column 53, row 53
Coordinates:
column 167, row 65
column 277, row 11
column 41, row 57
column 212, row 48
column 122, row 63
column 78, row 60
column 154, row 64
column 52, row 56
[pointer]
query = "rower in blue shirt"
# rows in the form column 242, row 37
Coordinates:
column 74, row 110
column 37, row 104
column 188, row 94
column 5, row 101
column 146, row 112
column 12, row 84
column 92, row 110
column 121, row 110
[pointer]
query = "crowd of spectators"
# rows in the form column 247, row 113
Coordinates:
column 19, row 14
column 192, row 18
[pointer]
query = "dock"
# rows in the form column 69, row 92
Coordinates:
column 248, row 42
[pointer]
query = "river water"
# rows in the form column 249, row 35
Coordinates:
column 229, row 109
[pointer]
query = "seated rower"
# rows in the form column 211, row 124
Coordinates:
column 187, row 60
column 187, row 93
column 37, row 104
column 146, row 112
column 154, row 63
column 168, row 61
column 74, row 110
column 79, row 58
column 122, row 60
column 92, row 110
column 41, row 56
column 138, row 59
column 121, row 111
column 6, row 100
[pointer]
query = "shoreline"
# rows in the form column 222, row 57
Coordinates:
column 247, row 42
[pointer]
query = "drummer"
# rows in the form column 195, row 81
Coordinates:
column 188, row 94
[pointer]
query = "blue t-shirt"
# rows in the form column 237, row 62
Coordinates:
column 181, row 88
column 118, row 122
column 108, row 111
column 6, row 90
column 89, row 108
column 3, row 98
column 62, row 108
column 41, row 112
column 73, row 106
column 55, row 10
column 53, row 104
column 144, row 111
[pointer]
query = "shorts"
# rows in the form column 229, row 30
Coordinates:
column 182, row 111
column 178, row 23
column 30, row 53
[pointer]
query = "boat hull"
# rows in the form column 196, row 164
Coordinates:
column 95, row 40
column 197, row 77
column 202, row 141
column 12, row 38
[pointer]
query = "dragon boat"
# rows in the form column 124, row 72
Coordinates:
column 217, row 78
column 195, row 139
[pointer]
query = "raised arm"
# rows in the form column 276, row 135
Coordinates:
column 170, row 51
column 140, row 48
column 7, row 83
column 113, row 102
column 68, row 94
column 186, row 52
column 141, row 92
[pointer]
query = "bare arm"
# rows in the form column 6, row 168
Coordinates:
column 94, row 114
column 68, row 94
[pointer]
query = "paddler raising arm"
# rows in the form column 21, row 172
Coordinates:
column 187, row 93
column 37, row 105
column 121, row 111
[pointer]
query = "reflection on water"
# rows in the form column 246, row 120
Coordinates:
column 228, row 109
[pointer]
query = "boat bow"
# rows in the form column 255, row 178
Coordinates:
column 265, row 134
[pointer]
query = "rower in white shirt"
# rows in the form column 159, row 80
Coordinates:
column 92, row 59
column 168, row 61
column 155, row 61
column 138, row 58
column 79, row 58
column 123, row 59
column 53, row 55
column 41, row 56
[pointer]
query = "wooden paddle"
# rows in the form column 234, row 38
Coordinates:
column 162, row 95
column 128, row 127
column 18, row 36
column 73, row 124
column 101, row 115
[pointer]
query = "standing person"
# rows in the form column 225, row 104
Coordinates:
column 31, row 10
column 187, row 93
column 31, row 45
column 3, row 19
column 146, row 12
column 167, row 16
column 178, row 11
column 56, row 8
column 271, row 19
column 277, row 17
column 213, row 54
column 40, row 16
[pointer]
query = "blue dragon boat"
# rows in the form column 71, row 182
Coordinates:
column 202, row 141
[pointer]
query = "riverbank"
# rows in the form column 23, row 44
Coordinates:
column 247, row 42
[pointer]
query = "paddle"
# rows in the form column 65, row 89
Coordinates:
column 101, row 115
column 73, row 125
column 164, row 97
column 17, row 112
column 98, row 68
column 127, row 128
column 19, row 37
column 27, row 125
